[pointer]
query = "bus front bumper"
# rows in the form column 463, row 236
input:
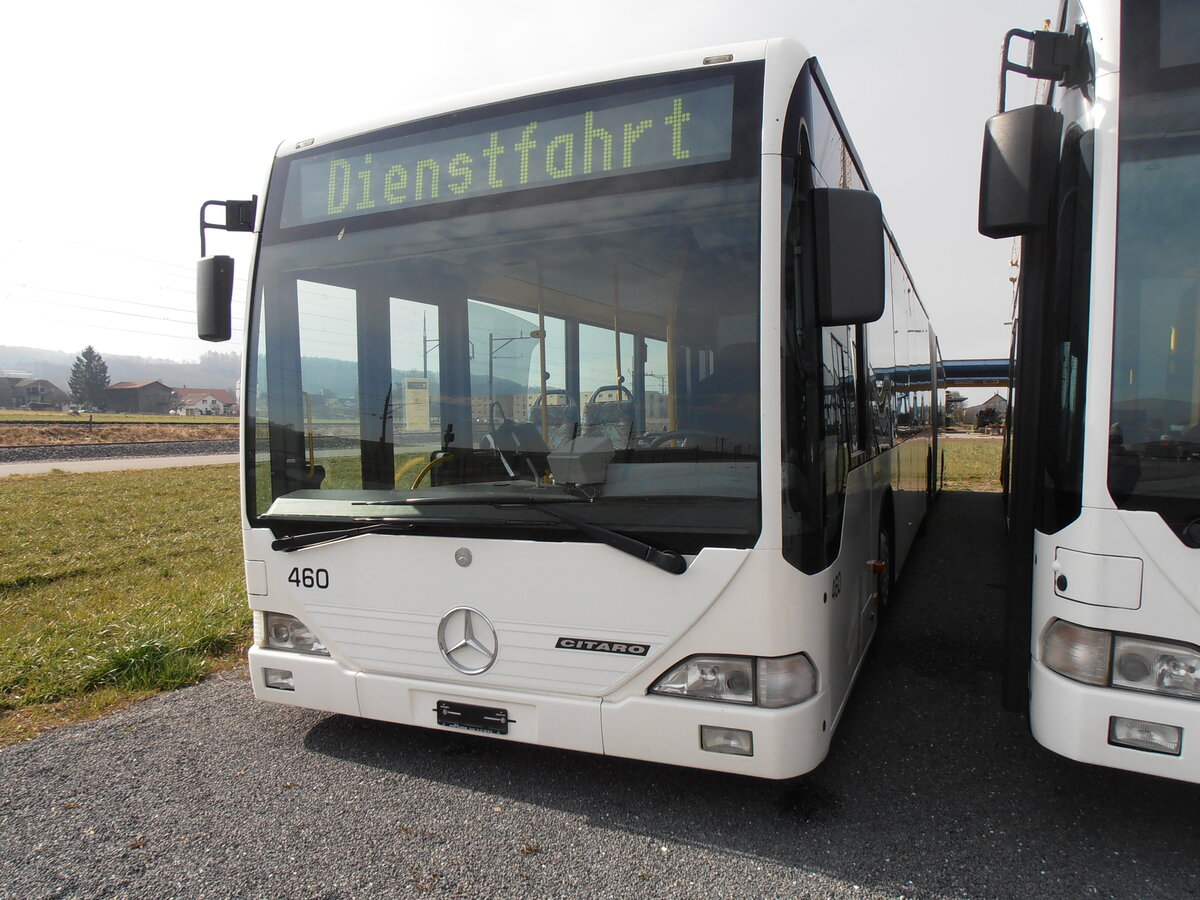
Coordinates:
column 1074, row 720
column 784, row 743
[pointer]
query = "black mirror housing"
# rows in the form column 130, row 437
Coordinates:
column 1020, row 157
column 850, row 258
column 214, row 298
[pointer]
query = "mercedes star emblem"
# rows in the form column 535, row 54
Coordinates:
column 467, row 640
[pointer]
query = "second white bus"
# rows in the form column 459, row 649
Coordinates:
column 1102, row 180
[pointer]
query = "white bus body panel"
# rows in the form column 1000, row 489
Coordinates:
column 910, row 498
column 387, row 594
column 1103, row 19
column 1068, row 717
column 1071, row 718
column 386, row 664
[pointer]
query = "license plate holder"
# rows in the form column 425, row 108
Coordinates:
column 487, row 719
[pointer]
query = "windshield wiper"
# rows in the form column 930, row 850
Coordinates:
column 293, row 542
column 667, row 560
column 475, row 500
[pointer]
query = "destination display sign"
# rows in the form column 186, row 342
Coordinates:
column 662, row 127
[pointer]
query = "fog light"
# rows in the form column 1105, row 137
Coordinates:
column 1140, row 735
column 716, row 739
column 279, row 679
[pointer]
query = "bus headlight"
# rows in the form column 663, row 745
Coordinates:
column 726, row 678
column 1156, row 666
column 767, row 682
column 1103, row 658
column 284, row 632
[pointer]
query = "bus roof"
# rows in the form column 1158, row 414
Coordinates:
column 670, row 62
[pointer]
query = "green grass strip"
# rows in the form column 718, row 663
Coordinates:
column 972, row 463
column 126, row 580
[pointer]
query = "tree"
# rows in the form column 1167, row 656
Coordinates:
column 89, row 378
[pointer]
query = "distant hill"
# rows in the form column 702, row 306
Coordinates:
column 219, row 370
column 212, row 370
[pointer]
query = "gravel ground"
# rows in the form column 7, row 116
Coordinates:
column 931, row 790
column 40, row 452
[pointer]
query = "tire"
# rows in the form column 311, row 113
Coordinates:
column 885, row 581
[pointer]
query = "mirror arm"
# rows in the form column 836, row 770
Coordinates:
column 1057, row 56
column 239, row 216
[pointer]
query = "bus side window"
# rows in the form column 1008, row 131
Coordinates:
column 881, row 374
column 835, row 167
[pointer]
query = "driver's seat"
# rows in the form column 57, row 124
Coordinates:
column 726, row 402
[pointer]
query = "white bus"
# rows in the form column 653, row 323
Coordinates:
column 595, row 413
column 1103, row 182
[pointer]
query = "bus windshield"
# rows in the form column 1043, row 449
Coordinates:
column 1154, row 438
column 592, row 340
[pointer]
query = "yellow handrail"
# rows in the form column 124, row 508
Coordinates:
column 620, row 379
column 542, row 353
column 672, row 312
column 437, row 460
column 312, row 450
column 408, row 467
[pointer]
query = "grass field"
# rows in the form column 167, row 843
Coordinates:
column 114, row 585
column 972, row 464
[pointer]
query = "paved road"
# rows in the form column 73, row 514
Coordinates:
column 931, row 791
column 107, row 465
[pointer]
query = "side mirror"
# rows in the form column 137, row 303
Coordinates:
column 850, row 259
column 1020, row 157
column 214, row 298
column 214, row 275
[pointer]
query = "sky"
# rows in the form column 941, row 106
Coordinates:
column 123, row 118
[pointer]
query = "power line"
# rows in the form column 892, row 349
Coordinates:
column 117, row 312
column 67, row 293
column 124, row 329
column 108, row 250
column 236, row 329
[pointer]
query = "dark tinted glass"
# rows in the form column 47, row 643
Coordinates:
column 1154, row 460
